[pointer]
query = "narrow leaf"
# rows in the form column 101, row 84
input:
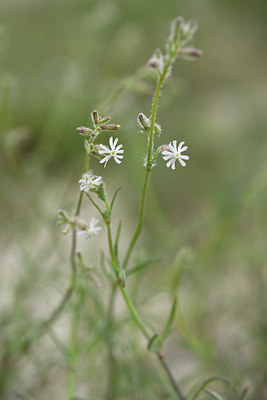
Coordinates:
column 169, row 322
column 94, row 203
column 213, row 394
column 206, row 382
column 113, row 199
column 142, row 265
column 243, row 393
column 116, row 244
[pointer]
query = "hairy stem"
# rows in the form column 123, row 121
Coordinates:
column 149, row 166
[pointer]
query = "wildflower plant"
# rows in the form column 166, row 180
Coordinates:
column 93, row 187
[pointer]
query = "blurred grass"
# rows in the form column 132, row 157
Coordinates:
column 61, row 59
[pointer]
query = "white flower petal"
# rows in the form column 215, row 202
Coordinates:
column 184, row 157
column 170, row 162
column 183, row 164
column 167, row 157
column 184, row 149
column 180, row 146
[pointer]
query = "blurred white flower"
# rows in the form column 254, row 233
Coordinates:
column 89, row 181
column 172, row 154
column 115, row 152
column 90, row 230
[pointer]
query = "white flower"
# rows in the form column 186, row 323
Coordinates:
column 91, row 230
column 115, row 152
column 172, row 153
column 89, row 181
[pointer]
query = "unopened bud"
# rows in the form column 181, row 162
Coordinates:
column 83, row 130
column 80, row 223
column 157, row 129
column 188, row 30
column 95, row 117
column 164, row 147
column 111, row 127
column 62, row 214
column 190, row 52
column 176, row 25
column 143, row 121
column 66, row 228
column 105, row 120
column 156, row 61
column 87, row 146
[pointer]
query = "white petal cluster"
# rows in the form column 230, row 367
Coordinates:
column 89, row 181
column 91, row 230
column 171, row 154
column 113, row 151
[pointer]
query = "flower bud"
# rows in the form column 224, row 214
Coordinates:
column 157, row 129
column 105, row 120
column 83, row 130
column 176, row 25
column 95, row 117
column 80, row 223
column 157, row 61
column 143, row 121
column 190, row 52
column 87, row 146
column 111, row 127
column 188, row 29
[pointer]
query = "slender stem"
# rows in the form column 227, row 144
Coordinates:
column 112, row 365
column 174, row 383
column 148, row 168
column 73, row 345
column 134, row 313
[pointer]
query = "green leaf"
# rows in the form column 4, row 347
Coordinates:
column 243, row 393
column 206, row 382
column 113, row 199
column 213, row 394
column 116, row 244
column 138, row 267
column 169, row 322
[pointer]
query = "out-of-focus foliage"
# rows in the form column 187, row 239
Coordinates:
column 58, row 61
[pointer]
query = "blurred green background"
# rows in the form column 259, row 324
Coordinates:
column 58, row 61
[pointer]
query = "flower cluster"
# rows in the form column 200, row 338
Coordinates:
column 85, row 230
column 100, row 124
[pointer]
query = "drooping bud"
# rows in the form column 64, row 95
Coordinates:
column 95, row 117
column 143, row 121
column 190, row 53
column 111, row 127
column 83, row 130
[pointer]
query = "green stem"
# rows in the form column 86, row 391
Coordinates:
column 149, row 167
column 112, row 365
column 73, row 346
